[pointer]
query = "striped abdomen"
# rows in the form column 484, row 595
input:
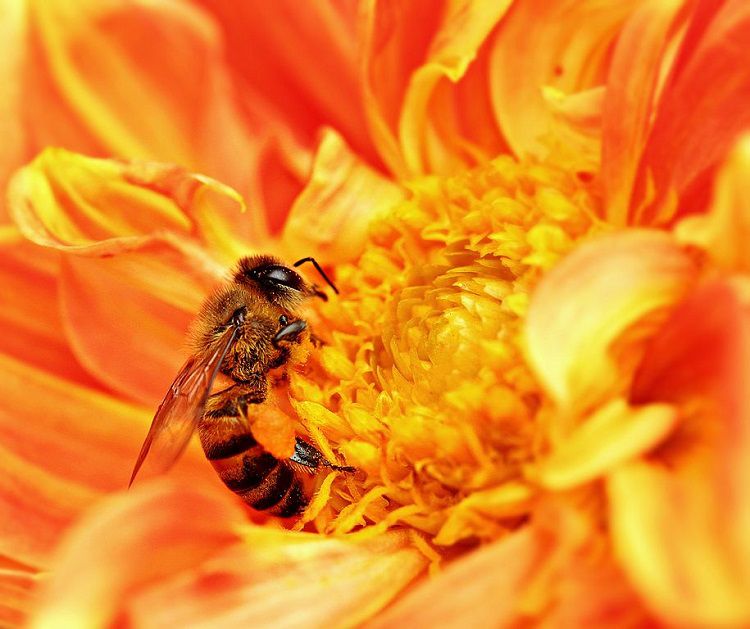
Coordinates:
column 261, row 480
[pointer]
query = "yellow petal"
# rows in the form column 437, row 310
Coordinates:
column 415, row 55
column 331, row 216
column 465, row 26
column 615, row 434
column 562, row 45
column 585, row 304
column 725, row 231
column 668, row 539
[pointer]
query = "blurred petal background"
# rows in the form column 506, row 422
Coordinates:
column 539, row 362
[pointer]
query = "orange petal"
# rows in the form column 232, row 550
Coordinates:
column 29, row 311
column 668, row 539
column 464, row 27
column 541, row 44
column 286, row 579
column 702, row 353
column 412, row 50
column 613, row 435
column 483, row 589
column 300, row 60
column 331, row 217
column 146, row 212
column 139, row 80
column 701, row 113
column 12, row 154
column 169, row 555
column 16, row 597
column 68, row 201
column 698, row 571
column 585, row 304
column 632, row 84
column 62, row 445
column 129, row 337
column 128, row 541
column 725, row 231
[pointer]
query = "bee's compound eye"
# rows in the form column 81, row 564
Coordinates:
column 283, row 320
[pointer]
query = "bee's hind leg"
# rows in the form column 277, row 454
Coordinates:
column 310, row 457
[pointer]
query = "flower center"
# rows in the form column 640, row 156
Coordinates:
column 422, row 385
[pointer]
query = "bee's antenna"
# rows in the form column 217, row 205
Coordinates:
column 319, row 270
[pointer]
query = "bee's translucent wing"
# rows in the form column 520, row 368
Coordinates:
column 182, row 408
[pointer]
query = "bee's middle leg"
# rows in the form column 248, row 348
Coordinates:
column 309, row 456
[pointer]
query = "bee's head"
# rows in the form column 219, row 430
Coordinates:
column 278, row 283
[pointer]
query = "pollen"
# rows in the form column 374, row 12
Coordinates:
column 422, row 384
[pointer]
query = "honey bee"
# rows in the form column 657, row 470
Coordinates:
column 244, row 331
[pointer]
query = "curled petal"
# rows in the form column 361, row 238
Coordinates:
column 331, row 217
column 585, row 304
column 668, row 540
column 413, row 50
column 136, row 229
column 560, row 45
column 697, row 571
column 129, row 540
column 725, row 231
column 72, row 202
column 614, row 434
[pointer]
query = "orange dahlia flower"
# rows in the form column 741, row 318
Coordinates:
column 536, row 213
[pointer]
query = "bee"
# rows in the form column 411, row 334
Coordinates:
column 245, row 331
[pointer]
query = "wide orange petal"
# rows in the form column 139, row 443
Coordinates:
column 331, row 216
column 128, row 541
column 584, row 305
column 560, row 45
column 62, row 445
column 29, row 311
column 16, row 597
column 300, row 60
column 168, row 555
column 632, row 86
column 134, row 80
column 12, row 32
column 699, row 571
column 725, row 230
column 137, row 229
column 412, row 51
column 701, row 113
column 284, row 579
column 481, row 590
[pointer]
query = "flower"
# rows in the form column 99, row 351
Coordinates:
column 537, row 359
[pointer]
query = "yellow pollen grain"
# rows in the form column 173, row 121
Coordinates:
column 422, row 385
